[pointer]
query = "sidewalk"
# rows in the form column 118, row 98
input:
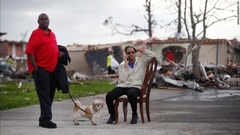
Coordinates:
column 173, row 112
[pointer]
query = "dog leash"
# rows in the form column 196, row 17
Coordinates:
column 65, row 60
column 76, row 103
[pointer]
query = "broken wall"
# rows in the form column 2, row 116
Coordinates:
column 78, row 62
column 96, row 59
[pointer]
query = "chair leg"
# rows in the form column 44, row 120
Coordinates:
column 147, row 110
column 125, row 110
column 141, row 112
column 116, row 111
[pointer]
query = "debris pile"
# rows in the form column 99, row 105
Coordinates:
column 221, row 77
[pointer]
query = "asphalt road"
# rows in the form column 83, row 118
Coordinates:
column 173, row 112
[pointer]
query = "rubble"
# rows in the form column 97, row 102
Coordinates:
column 181, row 76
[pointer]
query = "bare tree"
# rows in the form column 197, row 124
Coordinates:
column 208, row 17
column 179, row 24
column 23, row 35
column 133, row 29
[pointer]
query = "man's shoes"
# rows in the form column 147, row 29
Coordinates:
column 111, row 119
column 47, row 124
column 134, row 119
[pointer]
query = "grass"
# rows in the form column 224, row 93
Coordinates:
column 13, row 97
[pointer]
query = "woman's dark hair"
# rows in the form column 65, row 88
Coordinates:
column 129, row 47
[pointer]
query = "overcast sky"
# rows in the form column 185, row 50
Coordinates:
column 81, row 21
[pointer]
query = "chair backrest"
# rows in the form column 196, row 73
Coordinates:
column 149, row 76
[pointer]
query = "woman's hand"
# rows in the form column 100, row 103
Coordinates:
column 142, row 48
column 125, row 58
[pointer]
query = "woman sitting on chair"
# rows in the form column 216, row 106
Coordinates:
column 131, row 74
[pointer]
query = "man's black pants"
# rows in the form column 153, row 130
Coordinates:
column 45, row 87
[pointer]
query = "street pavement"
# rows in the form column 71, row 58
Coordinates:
column 173, row 112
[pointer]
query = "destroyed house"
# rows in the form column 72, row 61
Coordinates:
column 213, row 51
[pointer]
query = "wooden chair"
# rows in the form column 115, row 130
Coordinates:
column 144, row 94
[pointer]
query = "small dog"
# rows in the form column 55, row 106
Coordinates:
column 92, row 112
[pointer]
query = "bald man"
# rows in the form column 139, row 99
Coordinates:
column 42, row 57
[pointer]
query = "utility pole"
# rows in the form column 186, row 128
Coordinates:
column 216, row 68
column 238, row 13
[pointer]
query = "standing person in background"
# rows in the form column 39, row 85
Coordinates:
column 131, row 73
column 109, row 58
column 42, row 57
column 230, row 64
column 11, row 63
column 112, row 64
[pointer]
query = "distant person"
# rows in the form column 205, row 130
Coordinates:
column 170, row 56
column 42, row 57
column 230, row 64
column 11, row 63
column 131, row 73
column 112, row 64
